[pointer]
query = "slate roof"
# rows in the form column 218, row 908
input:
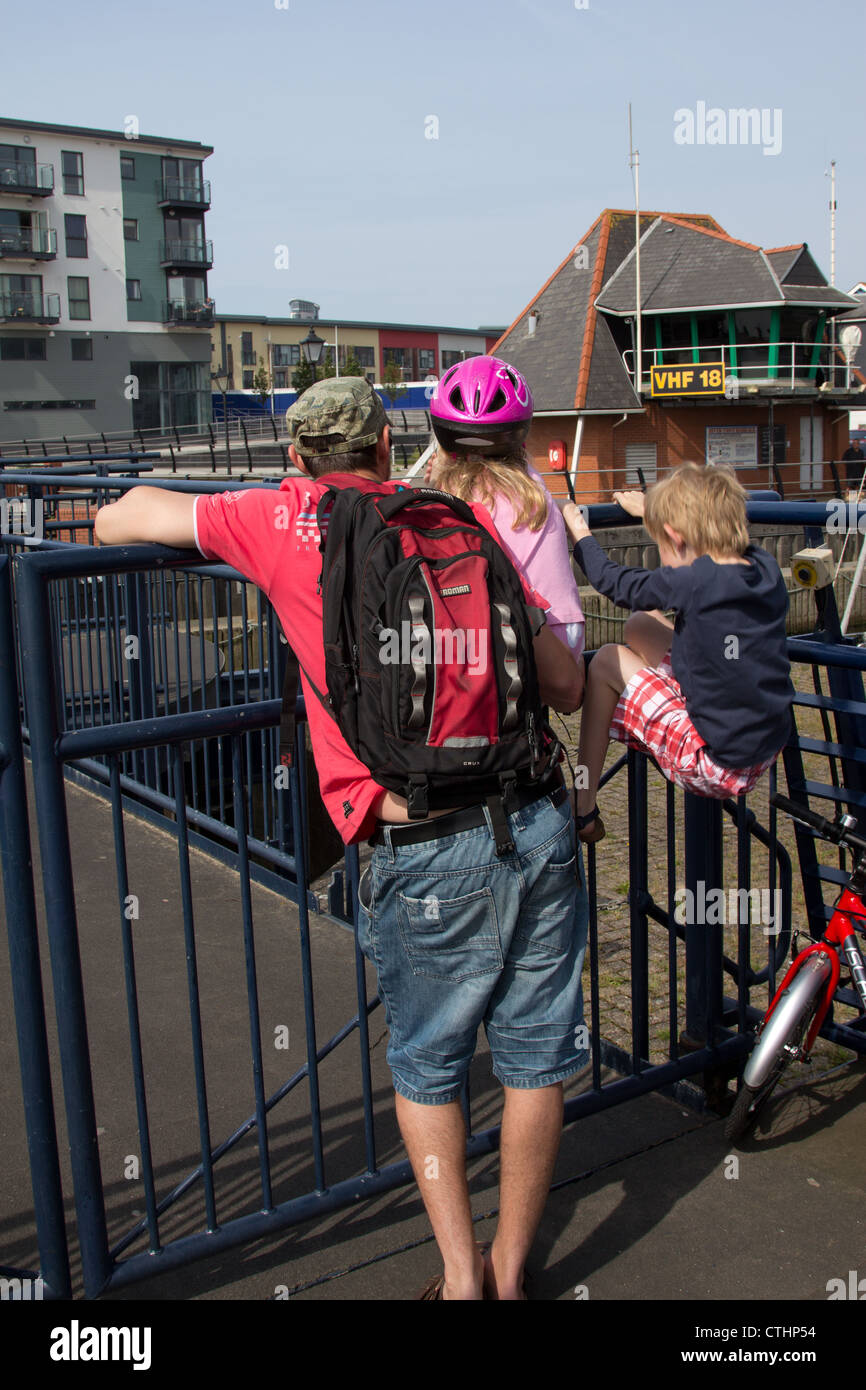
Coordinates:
column 572, row 361
column 816, row 294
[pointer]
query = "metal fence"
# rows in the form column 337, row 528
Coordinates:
column 173, row 727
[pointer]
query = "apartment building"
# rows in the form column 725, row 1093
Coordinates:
column 104, row 309
column 242, row 343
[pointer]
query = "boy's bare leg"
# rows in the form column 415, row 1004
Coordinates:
column 529, row 1143
column 649, row 635
column 609, row 673
column 435, row 1139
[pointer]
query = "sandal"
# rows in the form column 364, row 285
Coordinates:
column 590, row 828
column 432, row 1291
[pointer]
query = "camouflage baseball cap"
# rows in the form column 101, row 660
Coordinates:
column 335, row 416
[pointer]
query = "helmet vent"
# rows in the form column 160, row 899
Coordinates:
column 499, row 402
column 476, row 404
column 456, row 399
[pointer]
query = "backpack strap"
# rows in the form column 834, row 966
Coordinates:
column 388, row 506
column 288, row 713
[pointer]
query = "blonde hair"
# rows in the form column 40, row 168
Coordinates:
column 476, row 477
column 705, row 504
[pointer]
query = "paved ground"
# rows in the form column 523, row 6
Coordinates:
column 649, row 1201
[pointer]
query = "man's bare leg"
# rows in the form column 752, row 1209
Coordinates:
column 529, row 1143
column 435, row 1139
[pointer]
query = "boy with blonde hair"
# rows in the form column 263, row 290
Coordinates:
column 708, row 695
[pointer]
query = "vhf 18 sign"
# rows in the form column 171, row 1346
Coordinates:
column 706, row 379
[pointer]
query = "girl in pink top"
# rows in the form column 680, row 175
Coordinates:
column 481, row 412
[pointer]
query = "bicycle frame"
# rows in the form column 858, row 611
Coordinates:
column 841, row 935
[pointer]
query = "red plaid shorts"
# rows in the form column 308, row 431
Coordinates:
column 651, row 715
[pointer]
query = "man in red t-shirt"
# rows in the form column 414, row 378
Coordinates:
column 459, row 936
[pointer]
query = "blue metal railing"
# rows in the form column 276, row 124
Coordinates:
column 111, row 724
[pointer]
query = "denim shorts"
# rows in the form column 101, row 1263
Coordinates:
column 460, row 937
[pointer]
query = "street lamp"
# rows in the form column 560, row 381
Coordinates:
column 312, row 347
column 221, row 377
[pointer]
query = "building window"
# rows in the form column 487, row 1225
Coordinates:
column 281, row 379
column 248, row 356
column 72, row 168
column 127, row 166
column 130, row 229
column 451, row 356
column 76, row 235
column 643, row 457
column 78, row 287
column 133, row 289
column 248, row 380
column 364, row 356
column 22, row 349
column 82, row 349
column 286, row 354
column 426, row 360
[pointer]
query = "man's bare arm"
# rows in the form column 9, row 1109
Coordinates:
column 560, row 676
column 148, row 514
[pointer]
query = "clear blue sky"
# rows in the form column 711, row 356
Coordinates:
column 317, row 114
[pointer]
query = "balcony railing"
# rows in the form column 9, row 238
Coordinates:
column 184, row 252
column 751, row 366
column 19, row 305
column 19, row 176
column 28, row 243
column 195, row 315
column 183, row 193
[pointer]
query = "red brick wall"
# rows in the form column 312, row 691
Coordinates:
column 679, row 436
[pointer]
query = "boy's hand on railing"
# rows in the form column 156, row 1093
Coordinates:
column 631, row 502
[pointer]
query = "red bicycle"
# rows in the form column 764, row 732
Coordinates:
column 791, row 1024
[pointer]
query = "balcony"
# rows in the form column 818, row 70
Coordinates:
column 28, row 243
column 31, row 180
column 752, row 368
column 22, row 307
column 183, row 193
column 180, row 253
column 194, row 315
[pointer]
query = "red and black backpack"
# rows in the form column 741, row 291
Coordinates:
column 429, row 661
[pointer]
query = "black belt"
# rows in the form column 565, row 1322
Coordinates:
column 470, row 818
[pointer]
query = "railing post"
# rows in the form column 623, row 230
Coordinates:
column 703, row 874
column 25, row 968
column 34, row 617
column 638, row 862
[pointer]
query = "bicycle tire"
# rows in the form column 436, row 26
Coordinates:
column 805, row 991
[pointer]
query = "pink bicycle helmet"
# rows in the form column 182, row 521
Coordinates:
column 481, row 403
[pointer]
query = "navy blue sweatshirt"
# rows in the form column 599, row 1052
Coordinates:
column 728, row 651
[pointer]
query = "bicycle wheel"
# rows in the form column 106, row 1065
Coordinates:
column 779, row 1044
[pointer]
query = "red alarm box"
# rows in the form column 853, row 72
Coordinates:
column 556, row 455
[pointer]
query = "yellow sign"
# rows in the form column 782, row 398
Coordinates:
column 704, row 379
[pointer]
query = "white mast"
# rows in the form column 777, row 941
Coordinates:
column 634, row 162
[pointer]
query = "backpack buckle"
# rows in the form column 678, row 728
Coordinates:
column 417, row 798
column 499, row 820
